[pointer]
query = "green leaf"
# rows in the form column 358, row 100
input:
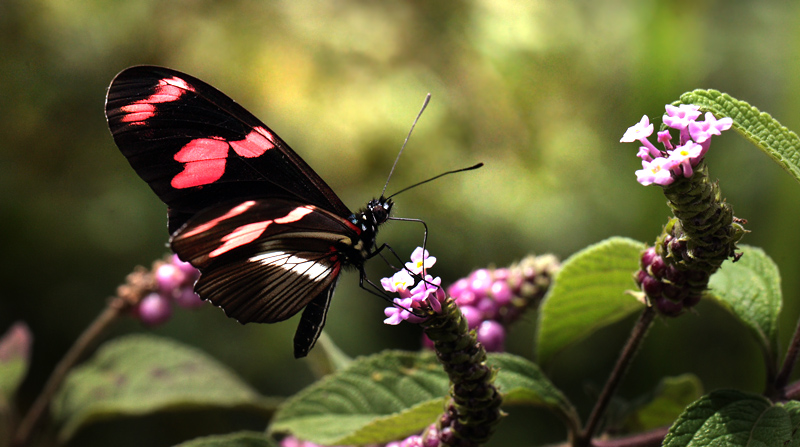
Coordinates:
column 376, row 399
column 394, row 394
column 521, row 382
column 760, row 128
column 141, row 374
column 751, row 290
column 666, row 403
column 238, row 439
column 731, row 418
column 588, row 294
column 793, row 408
column 15, row 350
column 327, row 357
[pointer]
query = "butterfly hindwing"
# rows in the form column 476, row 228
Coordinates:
column 312, row 321
column 264, row 260
column 196, row 147
column 269, row 288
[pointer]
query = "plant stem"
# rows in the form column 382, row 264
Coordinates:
column 652, row 438
column 788, row 362
column 624, row 361
column 792, row 391
column 86, row 340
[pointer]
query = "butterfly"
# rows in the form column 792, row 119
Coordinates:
column 268, row 235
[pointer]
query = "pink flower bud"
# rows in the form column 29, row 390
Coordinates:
column 492, row 336
column 154, row 310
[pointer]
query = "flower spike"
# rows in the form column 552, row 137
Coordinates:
column 675, row 272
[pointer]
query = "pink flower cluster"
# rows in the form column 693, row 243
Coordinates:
column 291, row 441
column 427, row 292
column 429, row 438
column 486, row 299
column 175, row 280
column 662, row 167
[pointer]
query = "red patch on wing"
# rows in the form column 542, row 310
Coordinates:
column 138, row 112
column 245, row 234
column 241, row 236
column 254, row 144
column 295, row 215
column 353, row 227
column 167, row 90
column 204, row 162
column 235, row 211
column 204, row 158
column 198, row 173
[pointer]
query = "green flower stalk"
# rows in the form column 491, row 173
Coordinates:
column 461, row 325
column 704, row 225
column 474, row 405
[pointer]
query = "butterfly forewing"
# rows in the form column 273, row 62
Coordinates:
column 196, row 147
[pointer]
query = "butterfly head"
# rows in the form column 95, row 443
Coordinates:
column 378, row 211
column 367, row 220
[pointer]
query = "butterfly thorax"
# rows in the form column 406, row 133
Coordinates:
column 367, row 220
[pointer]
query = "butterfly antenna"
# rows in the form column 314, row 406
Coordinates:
column 424, row 104
column 470, row 168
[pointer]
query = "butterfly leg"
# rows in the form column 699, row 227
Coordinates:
column 373, row 288
column 421, row 276
column 380, row 293
column 388, row 247
column 406, row 219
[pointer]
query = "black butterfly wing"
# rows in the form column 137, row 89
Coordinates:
column 196, row 147
column 268, row 234
column 263, row 260
column 312, row 322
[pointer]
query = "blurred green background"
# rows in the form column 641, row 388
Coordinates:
column 541, row 92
